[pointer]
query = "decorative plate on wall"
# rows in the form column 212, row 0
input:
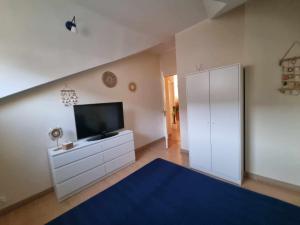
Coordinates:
column 109, row 79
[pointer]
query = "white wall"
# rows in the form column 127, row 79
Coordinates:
column 273, row 125
column 208, row 44
column 25, row 119
column 257, row 37
column 168, row 63
column 36, row 48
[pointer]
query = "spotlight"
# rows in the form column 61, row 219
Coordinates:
column 71, row 25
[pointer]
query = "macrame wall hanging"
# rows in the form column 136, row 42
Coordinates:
column 290, row 78
column 68, row 96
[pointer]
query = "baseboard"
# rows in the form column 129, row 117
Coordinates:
column 273, row 182
column 25, row 201
column 38, row 195
column 150, row 144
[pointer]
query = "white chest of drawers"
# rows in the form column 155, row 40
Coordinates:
column 89, row 161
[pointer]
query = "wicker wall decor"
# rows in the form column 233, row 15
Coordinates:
column 132, row 86
column 290, row 78
column 109, row 79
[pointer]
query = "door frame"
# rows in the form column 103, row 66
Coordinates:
column 165, row 125
column 165, row 107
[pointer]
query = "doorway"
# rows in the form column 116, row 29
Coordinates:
column 172, row 110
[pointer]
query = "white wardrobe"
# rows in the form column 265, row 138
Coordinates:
column 215, row 122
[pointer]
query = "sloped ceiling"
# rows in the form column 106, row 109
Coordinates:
column 158, row 18
column 228, row 5
column 35, row 47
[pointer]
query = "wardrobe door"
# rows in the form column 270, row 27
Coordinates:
column 199, row 121
column 225, row 108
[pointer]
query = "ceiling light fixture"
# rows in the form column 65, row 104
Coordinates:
column 71, row 25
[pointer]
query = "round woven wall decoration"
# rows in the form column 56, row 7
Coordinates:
column 109, row 79
column 132, row 86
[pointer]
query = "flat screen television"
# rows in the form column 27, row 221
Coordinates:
column 98, row 120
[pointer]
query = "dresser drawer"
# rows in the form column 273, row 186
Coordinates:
column 117, row 141
column 75, row 155
column 119, row 162
column 70, row 170
column 66, row 188
column 115, row 152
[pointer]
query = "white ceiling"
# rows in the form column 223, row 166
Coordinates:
column 159, row 18
column 34, row 54
column 163, row 47
column 228, row 5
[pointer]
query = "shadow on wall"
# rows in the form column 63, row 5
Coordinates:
column 129, row 116
column 249, row 81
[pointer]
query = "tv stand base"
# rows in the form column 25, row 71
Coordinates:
column 103, row 136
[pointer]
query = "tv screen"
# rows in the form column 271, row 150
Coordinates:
column 96, row 119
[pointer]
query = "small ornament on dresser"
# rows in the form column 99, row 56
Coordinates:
column 55, row 134
column 67, row 145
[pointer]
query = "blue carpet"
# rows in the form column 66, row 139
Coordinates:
column 162, row 193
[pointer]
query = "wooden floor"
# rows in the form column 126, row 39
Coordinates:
column 46, row 208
